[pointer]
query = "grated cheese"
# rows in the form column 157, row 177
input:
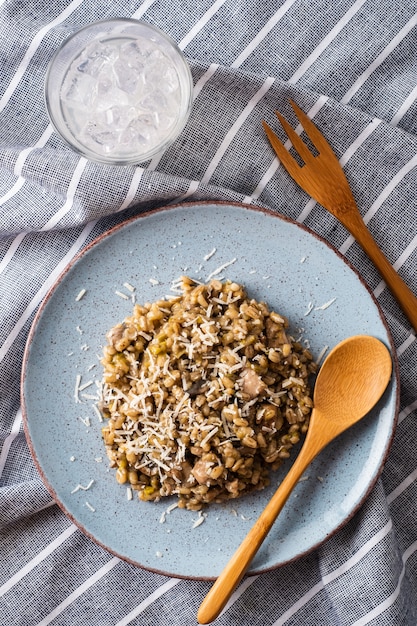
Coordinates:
column 210, row 254
column 200, row 519
column 220, row 269
column 85, row 385
column 80, row 487
column 310, row 308
column 81, row 295
column 325, row 305
column 77, row 388
column 121, row 295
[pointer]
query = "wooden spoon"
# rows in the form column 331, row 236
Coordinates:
column 350, row 382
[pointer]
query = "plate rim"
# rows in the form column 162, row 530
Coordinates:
column 124, row 224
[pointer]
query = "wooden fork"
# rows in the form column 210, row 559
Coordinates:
column 322, row 178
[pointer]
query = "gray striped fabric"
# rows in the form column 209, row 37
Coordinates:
column 352, row 66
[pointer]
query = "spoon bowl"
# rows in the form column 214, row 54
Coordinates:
column 350, row 382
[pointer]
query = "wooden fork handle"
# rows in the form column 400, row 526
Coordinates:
column 404, row 296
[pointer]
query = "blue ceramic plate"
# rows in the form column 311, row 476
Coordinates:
column 277, row 260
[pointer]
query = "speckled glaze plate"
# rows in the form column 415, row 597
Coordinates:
column 277, row 260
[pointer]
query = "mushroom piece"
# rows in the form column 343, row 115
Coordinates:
column 252, row 384
column 275, row 334
column 116, row 333
column 200, row 470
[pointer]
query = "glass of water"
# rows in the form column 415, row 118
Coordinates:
column 119, row 91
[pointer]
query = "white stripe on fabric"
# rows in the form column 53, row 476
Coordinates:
column 388, row 602
column 398, row 263
column 17, row 422
column 25, row 153
column 339, row 571
column 131, row 192
column 72, row 188
column 410, row 408
column 142, row 9
column 148, row 601
column 13, row 190
column 263, row 182
column 10, row 252
column 408, row 102
column 20, row 162
column 327, row 40
column 395, row 180
column 379, row 60
column 192, row 188
column 235, row 128
column 262, row 33
column 200, row 24
column 105, row 569
column 407, row 481
column 42, row 291
column 406, row 344
column 32, row 49
column 42, row 555
column 204, row 79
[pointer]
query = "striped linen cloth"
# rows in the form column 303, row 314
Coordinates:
column 352, row 66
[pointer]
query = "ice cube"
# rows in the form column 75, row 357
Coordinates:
column 165, row 121
column 127, row 77
column 104, row 86
column 117, row 117
column 162, row 73
column 92, row 67
column 136, row 53
column 108, row 51
column 76, row 89
column 99, row 137
column 169, row 82
column 142, row 131
column 106, row 95
column 154, row 101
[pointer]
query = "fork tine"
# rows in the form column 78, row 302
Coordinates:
column 284, row 156
column 295, row 139
column 312, row 131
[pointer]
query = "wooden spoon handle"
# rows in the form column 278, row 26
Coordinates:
column 235, row 569
column 404, row 296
